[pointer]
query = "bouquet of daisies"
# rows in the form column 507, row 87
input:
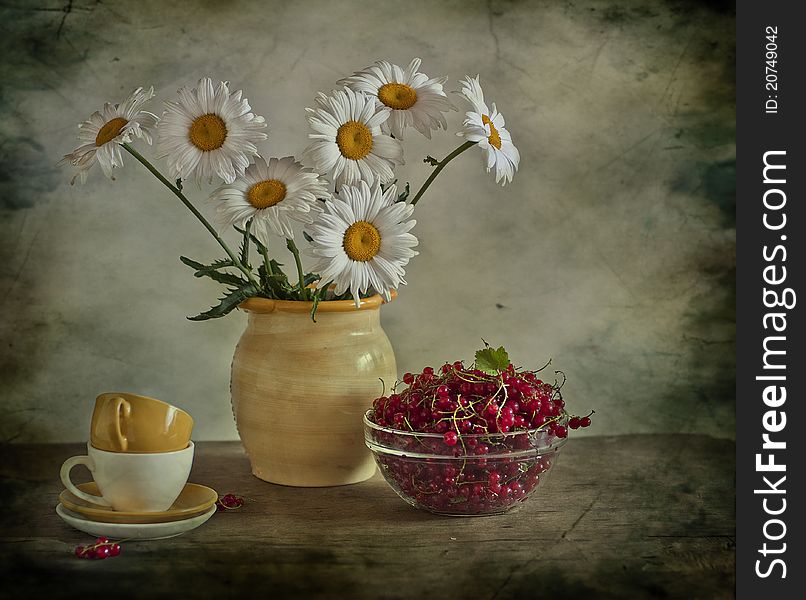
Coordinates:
column 358, row 226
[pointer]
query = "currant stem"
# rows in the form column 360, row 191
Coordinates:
column 178, row 193
column 303, row 291
column 441, row 165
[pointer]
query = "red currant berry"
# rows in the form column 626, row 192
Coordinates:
column 585, row 422
column 574, row 422
column 408, row 378
column 114, row 549
column 450, row 438
column 102, row 552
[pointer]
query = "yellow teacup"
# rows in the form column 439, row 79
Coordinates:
column 124, row 422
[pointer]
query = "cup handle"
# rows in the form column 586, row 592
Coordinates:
column 65, row 475
column 123, row 410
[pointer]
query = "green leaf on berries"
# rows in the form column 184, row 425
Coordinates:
column 492, row 361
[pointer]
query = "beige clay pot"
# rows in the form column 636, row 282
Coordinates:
column 300, row 389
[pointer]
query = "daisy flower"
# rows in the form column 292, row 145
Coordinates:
column 415, row 100
column 362, row 240
column 273, row 193
column 102, row 134
column 486, row 127
column 209, row 132
column 348, row 140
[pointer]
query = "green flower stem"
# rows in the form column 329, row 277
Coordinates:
column 178, row 193
column 303, row 291
column 246, row 242
column 441, row 165
column 266, row 261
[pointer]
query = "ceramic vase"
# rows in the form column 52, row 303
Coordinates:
column 299, row 389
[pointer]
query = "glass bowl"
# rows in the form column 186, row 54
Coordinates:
column 483, row 474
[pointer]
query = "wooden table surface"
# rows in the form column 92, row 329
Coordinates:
column 643, row 516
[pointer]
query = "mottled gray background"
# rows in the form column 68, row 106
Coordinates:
column 612, row 252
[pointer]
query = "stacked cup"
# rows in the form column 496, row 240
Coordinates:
column 139, row 454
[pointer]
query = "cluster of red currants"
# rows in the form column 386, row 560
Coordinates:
column 466, row 441
column 458, row 400
column 229, row 502
column 101, row 549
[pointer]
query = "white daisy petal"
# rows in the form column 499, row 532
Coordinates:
column 103, row 132
column 487, row 128
column 348, row 144
column 361, row 240
column 414, row 99
column 272, row 193
column 215, row 123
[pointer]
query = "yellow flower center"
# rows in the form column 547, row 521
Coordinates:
column 397, row 95
column 354, row 140
column 208, row 132
column 494, row 138
column 110, row 131
column 266, row 193
column 362, row 241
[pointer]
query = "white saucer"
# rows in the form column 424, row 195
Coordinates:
column 133, row 531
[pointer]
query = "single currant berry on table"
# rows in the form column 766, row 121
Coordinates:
column 574, row 422
column 585, row 422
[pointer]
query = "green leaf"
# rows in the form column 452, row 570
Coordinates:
column 231, row 299
column 258, row 244
column 307, row 236
column 316, row 298
column 277, row 284
column 212, row 272
column 310, row 278
column 404, row 195
column 225, row 278
column 219, row 264
column 492, row 361
column 245, row 244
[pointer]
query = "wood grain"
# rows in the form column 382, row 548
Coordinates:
column 620, row 517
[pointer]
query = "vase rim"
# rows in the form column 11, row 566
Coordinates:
column 268, row 305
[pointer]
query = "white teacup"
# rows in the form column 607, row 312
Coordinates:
column 132, row 482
